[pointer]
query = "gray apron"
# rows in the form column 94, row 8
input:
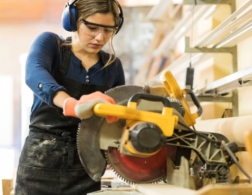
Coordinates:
column 49, row 162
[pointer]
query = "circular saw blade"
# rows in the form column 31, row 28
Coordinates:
column 90, row 135
column 95, row 135
column 133, row 169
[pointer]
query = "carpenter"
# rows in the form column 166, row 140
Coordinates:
column 64, row 73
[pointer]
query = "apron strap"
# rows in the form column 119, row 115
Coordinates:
column 66, row 59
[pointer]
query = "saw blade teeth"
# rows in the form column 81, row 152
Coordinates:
column 124, row 179
column 122, row 86
column 114, row 171
column 78, row 132
column 111, row 89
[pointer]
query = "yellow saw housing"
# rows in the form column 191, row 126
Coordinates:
column 166, row 120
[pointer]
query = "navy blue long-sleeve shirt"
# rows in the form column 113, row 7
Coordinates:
column 44, row 60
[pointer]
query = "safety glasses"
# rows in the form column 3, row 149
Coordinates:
column 93, row 29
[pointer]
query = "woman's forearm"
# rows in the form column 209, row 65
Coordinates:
column 59, row 98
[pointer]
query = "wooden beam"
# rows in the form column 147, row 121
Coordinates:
column 7, row 186
column 136, row 3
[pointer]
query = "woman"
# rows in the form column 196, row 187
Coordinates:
column 65, row 75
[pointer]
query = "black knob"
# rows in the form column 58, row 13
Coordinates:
column 147, row 137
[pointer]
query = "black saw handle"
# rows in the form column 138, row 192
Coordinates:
column 195, row 101
column 150, row 97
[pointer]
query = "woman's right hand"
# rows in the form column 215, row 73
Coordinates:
column 83, row 108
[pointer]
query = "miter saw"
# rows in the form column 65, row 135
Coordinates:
column 153, row 138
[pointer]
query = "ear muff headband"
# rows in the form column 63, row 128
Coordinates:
column 121, row 19
column 70, row 14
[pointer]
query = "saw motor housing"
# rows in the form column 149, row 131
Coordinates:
column 142, row 138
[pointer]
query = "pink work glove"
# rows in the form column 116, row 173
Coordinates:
column 83, row 108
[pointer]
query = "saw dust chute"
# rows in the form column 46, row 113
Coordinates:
column 153, row 140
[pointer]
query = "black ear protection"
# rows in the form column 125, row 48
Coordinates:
column 69, row 17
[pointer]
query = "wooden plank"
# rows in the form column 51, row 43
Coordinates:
column 229, row 21
column 248, row 144
column 163, row 189
column 134, row 3
column 213, row 189
column 145, row 69
column 159, row 62
column 159, row 10
column 7, row 186
column 227, row 113
column 219, row 189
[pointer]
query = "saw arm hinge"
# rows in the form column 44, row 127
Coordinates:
column 174, row 91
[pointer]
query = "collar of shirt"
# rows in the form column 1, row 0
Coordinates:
column 97, row 66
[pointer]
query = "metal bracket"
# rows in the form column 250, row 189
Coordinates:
column 231, row 50
column 203, row 98
column 232, row 3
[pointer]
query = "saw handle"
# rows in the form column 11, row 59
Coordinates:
column 195, row 101
column 150, row 97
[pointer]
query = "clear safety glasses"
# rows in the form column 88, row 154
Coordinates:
column 93, row 29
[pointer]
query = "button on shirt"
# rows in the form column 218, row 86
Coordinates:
column 87, row 79
column 44, row 60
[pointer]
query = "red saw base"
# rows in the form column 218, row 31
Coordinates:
column 141, row 170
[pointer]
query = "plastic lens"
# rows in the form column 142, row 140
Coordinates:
column 93, row 29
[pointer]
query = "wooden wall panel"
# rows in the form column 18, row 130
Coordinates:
column 7, row 186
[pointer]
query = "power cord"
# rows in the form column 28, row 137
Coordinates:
column 236, row 161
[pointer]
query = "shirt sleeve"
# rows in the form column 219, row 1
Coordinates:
column 120, row 78
column 39, row 66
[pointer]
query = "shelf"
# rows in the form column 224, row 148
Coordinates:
column 227, row 84
column 180, row 65
column 235, row 28
column 236, row 37
column 223, row 39
column 134, row 3
column 240, row 18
